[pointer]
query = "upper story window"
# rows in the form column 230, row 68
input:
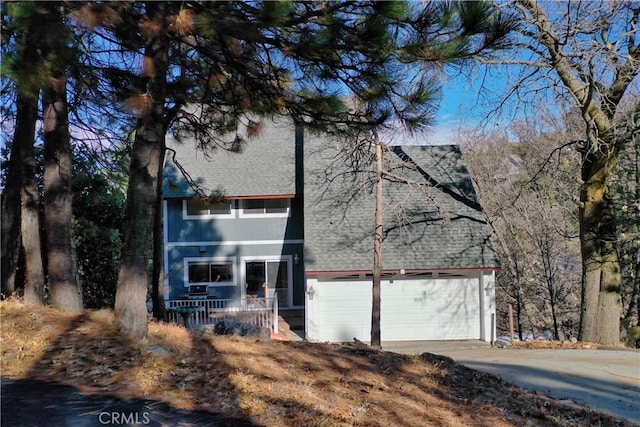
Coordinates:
column 265, row 207
column 198, row 208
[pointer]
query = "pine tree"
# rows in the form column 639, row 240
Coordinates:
column 64, row 287
column 21, row 204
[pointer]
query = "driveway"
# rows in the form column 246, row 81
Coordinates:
column 605, row 380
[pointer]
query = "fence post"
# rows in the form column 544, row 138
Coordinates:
column 275, row 313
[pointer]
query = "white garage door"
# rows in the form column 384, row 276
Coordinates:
column 412, row 309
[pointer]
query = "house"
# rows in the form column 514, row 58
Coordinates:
column 297, row 218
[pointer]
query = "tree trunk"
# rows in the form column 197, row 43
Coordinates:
column 550, row 281
column 157, row 275
column 146, row 160
column 520, row 313
column 601, row 303
column 554, row 312
column 64, row 287
column 632, row 311
column 29, row 195
column 21, row 201
column 27, row 110
column 30, row 226
column 377, row 250
column 132, row 286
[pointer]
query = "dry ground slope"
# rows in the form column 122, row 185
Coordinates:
column 270, row 383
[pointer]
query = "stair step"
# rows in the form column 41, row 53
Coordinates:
column 283, row 326
column 291, row 320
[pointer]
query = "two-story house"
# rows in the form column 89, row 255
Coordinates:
column 298, row 217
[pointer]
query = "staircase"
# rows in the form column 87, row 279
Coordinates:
column 291, row 320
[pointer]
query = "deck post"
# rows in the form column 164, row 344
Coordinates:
column 275, row 314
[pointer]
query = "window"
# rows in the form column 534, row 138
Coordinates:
column 211, row 272
column 265, row 207
column 276, row 273
column 196, row 208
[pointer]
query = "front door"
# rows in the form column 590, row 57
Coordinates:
column 275, row 273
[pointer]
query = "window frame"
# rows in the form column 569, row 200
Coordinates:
column 187, row 216
column 264, row 214
column 266, row 259
column 209, row 261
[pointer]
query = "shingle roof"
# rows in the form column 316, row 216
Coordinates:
column 339, row 212
column 339, row 204
column 264, row 167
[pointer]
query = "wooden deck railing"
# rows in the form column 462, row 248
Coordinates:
column 261, row 312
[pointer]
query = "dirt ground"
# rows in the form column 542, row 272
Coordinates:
column 256, row 382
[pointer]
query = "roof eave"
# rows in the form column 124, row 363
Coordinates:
column 406, row 271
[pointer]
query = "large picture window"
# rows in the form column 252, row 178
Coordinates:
column 197, row 208
column 265, row 207
column 212, row 272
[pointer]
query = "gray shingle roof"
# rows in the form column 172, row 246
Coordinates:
column 433, row 223
column 265, row 167
column 339, row 212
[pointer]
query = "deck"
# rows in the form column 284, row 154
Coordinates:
column 196, row 312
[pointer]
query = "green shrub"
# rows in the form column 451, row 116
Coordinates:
column 633, row 337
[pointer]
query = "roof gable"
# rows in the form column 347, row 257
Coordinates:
column 433, row 222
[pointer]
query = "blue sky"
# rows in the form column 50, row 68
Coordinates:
column 460, row 108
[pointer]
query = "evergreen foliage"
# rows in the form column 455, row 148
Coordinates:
column 98, row 211
column 139, row 70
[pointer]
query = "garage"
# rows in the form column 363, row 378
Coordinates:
column 426, row 307
column 438, row 262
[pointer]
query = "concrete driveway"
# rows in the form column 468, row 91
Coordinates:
column 605, row 380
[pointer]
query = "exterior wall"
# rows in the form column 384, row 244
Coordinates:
column 180, row 230
column 488, row 306
column 238, row 239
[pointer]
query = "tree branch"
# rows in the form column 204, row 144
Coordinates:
column 564, row 68
column 192, row 183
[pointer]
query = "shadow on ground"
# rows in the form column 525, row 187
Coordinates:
column 29, row 402
column 92, row 355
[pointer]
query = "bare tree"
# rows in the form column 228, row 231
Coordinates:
column 584, row 54
column 626, row 196
column 528, row 202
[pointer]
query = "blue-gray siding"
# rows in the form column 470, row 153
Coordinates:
column 233, row 237
column 232, row 229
